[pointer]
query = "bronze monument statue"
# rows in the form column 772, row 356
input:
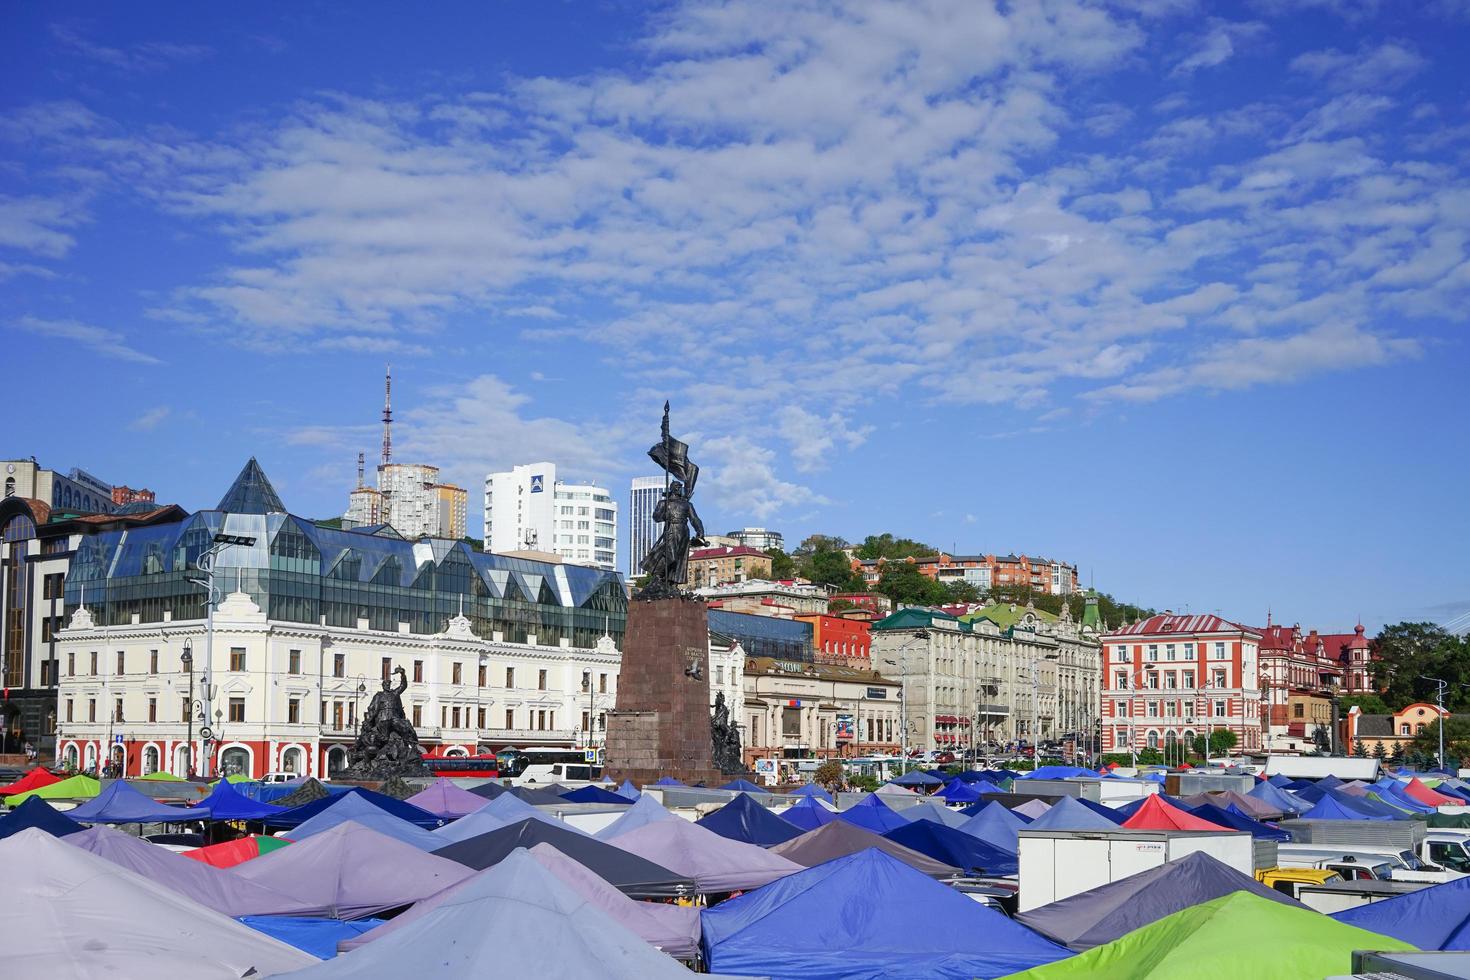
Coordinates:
column 387, row 744
column 667, row 562
column 725, row 739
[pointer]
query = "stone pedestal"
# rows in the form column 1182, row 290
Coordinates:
column 661, row 725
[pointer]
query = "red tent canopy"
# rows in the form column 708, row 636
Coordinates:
column 34, row 779
column 1427, row 796
column 233, row 852
column 1155, row 814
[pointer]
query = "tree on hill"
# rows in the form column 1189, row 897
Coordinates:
column 1411, row 652
column 1369, row 704
column 813, row 543
column 828, row 567
column 887, row 546
column 782, row 567
column 1456, row 738
column 902, row 582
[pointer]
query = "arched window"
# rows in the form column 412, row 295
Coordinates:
column 150, row 759
column 336, row 760
column 291, row 761
column 10, row 486
column 71, row 757
column 1153, row 740
column 235, row 760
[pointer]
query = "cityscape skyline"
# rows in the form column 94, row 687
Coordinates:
column 1177, row 296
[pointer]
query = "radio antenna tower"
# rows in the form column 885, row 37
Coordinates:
column 388, row 416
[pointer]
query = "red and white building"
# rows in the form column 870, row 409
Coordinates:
column 1170, row 678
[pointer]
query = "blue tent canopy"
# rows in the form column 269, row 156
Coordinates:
column 645, row 810
column 1431, row 918
column 628, row 791
column 1232, row 817
column 594, row 794
column 744, row 786
column 1279, row 781
column 807, row 815
column 871, row 813
column 1103, row 809
column 36, row 812
column 1331, row 808
column 1393, row 792
column 812, row 789
column 271, row 792
column 319, row 937
column 917, row 778
column 996, row 826
column 1068, row 814
column 866, row 915
column 1057, row 772
column 1373, row 805
column 226, row 803
column 745, row 820
column 1273, row 795
column 365, row 812
column 959, row 792
column 404, row 811
column 1329, row 782
column 954, row 847
column 1309, row 793
column 120, row 803
column 667, row 781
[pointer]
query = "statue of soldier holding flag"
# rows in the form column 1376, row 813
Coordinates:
column 667, row 562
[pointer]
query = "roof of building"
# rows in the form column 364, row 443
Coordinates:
column 1166, row 623
column 735, row 551
column 736, row 624
column 1006, row 615
column 1374, row 726
column 915, row 618
column 826, row 672
column 251, row 493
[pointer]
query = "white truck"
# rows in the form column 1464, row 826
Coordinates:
column 1056, row 864
column 1357, row 864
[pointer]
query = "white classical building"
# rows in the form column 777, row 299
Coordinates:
column 528, row 509
column 286, row 696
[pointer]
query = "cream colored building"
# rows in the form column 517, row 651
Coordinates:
column 795, row 710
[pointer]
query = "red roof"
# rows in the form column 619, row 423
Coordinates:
column 736, row 551
column 1155, row 814
column 1169, row 623
column 1278, row 638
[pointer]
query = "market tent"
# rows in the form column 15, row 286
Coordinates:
column 667, row 781
column 1431, row 918
column 861, row 916
column 120, row 803
column 1033, row 809
column 1374, row 805
column 1057, row 772
column 627, row 790
column 76, row 787
column 1329, row 808
column 445, row 800
column 1424, row 794
column 957, row 791
column 744, row 786
column 1252, row 807
column 996, row 826
column 871, row 813
column 502, row 811
column 812, row 789
column 1103, row 809
column 807, row 814
column 1155, row 814
column 319, row 937
column 34, row 779
column 935, row 811
column 213, row 888
column 634, row 876
column 71, row 915
column 1277, row 780
column 296, row 816
column 517, row 920
column 970, row 854
column 350, row 871
column 162, row 777
column 350, row 807
column 717, row 864
column 1067, row 814
column 1103, row 914
column 594, row 794
column 838, row 839
column 917, row 778
column 288, row 795
column 238, row 851
column 1237, row 935
column 1449, row 821
column 1272, row 795
column 1129, row 809
column 645, row 811
column 1232, row 819
column 526, row 794
column 671, row 928
column 1392, row 792
column 745, row 820
column 1328, row 782
column 36, row 812
column 225, row 802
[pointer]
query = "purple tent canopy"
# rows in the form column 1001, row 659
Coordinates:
column 672, row 928
column 444, row 799
column 645, row 811
column 211, row 887
column 366, row 813
column 120, row 803
column 717, row 864
column 502, row 811
column 350, row 871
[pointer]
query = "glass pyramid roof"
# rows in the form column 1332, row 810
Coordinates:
column 251, row 493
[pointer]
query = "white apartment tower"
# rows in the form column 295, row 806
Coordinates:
column 643, row 530
column 529, row 509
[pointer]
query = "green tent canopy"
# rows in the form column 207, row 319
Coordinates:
column 1236, row 935
column 234, row 777
column 1453, row 821
column 78, row 787
column 163, row 777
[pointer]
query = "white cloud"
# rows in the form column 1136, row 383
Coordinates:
column 145, row 56
column 37, row 225
column 108, row 343
column 150, row 419
column 1219, row 44
column 1373, row 68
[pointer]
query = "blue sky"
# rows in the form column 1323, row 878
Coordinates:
column 1172, row 290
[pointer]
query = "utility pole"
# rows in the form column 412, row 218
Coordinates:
column 1442, row 686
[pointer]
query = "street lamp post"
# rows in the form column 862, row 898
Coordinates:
column 1132, row 714
column 1441, row 687
column 903, row 692
column 188, row 661
column 205, row 565
column 357, row 703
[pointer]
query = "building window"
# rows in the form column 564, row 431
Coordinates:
column 720, row 675
column 480, row 717
column 602, row 683
column 1169, row 679
column 71, row 664
column 117, row 712
column 1219, row 651
column 455, row 715
column 387, row 668
column 418, row 671
column 51, row 585
column 586, row 683
column 91, row 709
column 1153, row 709
column 1153, row 651
column 1219, row 678
column 510, row 718
column 482, row 672
column 1297, row 710
column 293, row 711
column 457, row 672
column 1189, row 678
column 1189, row 651
column 69, row 710
column 510, row 677
column 337, row 713
column 183, row 709
column 541, row 680
column 121, row 662
column 152, row 709
column 237, row 709
column 152, row 661
column 418, row 716
column 94, row 663
column 339, row 665
column 1219, row 709
column 237, row 658
column 443, row 716
column 1404, row 729
column 293, row 662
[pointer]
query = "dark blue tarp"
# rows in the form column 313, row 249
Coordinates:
column 744, row 786
column 36, row 812
column 959, row 792
column 271, row 792
column 1371, row 805
column 351, row 808
column 1279, row 781
column 667, row 781
column 225, row 803
column 1392, row 792
column 1057, row 772
column 318, row 937
column 1432, row 918
column 120, row 803
column 871, row 813
column 594, row 794
column 1102, row 808
column 970, row 854
column 404, row 811
column 866, row 915
column 1329, row 808
column 812, row 789
column 745, row 820
column 807, row 815
column 1232, row 818
column 1272, row 795
column 917, row 777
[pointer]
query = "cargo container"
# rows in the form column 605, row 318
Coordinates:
column 1056, row 864
column 1375, row 835
column 1191, row 783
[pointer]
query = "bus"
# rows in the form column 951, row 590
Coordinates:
column 472, row 765
column 545, row 764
